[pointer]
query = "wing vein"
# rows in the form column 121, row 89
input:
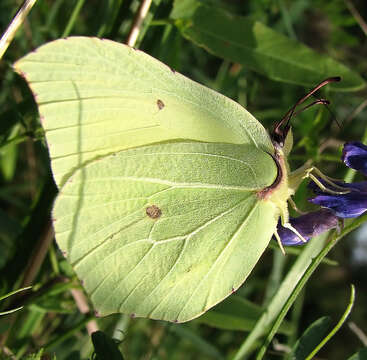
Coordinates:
column 220, row 255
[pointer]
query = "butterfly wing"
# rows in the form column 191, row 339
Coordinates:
column 97, row 97
column 169, row 230
column 158, row 210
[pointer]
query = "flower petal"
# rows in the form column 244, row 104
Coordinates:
column 355, row 156
column 348, row 205
column 354, row 203
column 309, row 225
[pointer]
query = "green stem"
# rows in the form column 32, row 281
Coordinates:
column 73, row 18
column 275, row 276
column 15, row 24
column 14, row 292
column 314, row 264
column 337, row 327
column 296, row 317
column 287, row 19
column 70, row 332
column 301, row 271
column 161, row 22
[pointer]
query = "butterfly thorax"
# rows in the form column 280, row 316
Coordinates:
column 279, row 192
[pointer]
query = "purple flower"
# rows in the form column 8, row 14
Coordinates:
column 353, row 203
column 308, row 225
column 355, row 156
column 348, row 205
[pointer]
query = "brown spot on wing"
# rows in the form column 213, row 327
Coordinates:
column 160, row 104
column 153, row 211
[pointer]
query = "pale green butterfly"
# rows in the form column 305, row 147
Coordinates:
column 169, row 191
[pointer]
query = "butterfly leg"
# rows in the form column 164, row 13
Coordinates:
column 294, row 206
column 293, row 229
column 319, row 174
column 284, row 218
column 313, row 173
column 279, row 241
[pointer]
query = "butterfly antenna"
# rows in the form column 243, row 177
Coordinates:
column 333, row 116
column 282, row 127
column 317, row 102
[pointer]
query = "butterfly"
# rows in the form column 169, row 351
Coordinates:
column 169, row 192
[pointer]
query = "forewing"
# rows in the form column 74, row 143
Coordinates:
column 97, row 97
column 166, row 231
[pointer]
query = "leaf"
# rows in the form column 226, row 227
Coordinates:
column 10, row 228
column 292, row 284
column 9, row 155
column 259, row 48
column 236, row 313
column 203, row 346
column 284, row 297
column 310, row 338
column 336, row 327
column 10, row 294
column 360, row 355
column 37, row 356
column 105, row 347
